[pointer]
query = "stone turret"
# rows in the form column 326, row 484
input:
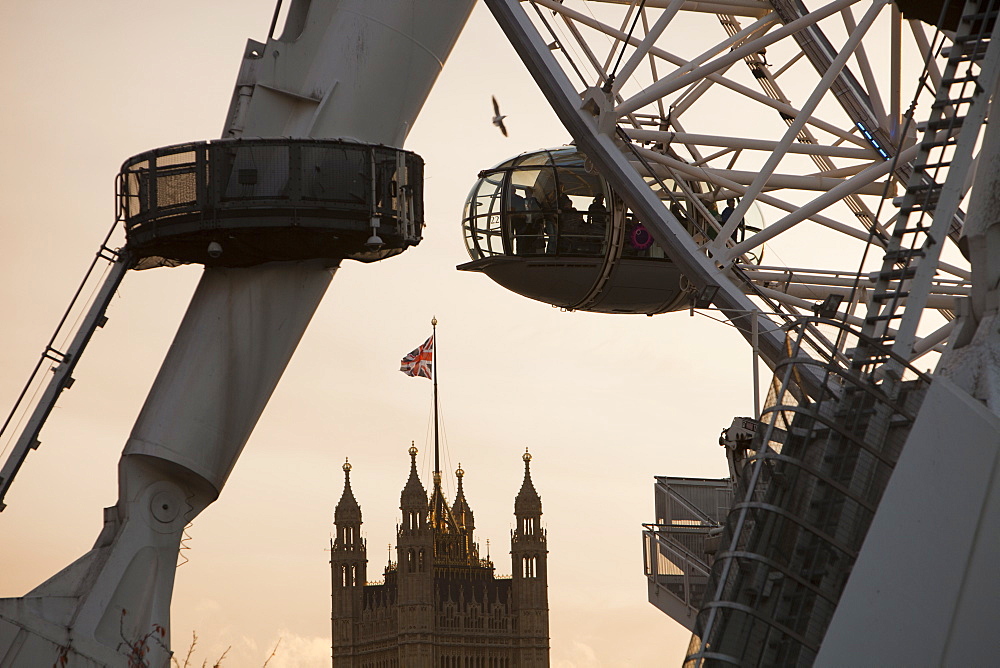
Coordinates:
column 460, row 509
column 415, row 572
column 348, row 562
column 528, row 551
column 413, row 498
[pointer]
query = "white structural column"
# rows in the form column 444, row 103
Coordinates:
column 236, row 338
column 348, row 69
column 923, row 591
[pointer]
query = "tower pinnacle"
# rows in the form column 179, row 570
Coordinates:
column 414, row 496
column 460, row 509
column 527, row 503
column 347, row 509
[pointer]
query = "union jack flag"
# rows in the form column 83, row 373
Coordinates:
column 420, row 361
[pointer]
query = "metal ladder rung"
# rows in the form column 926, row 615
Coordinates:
column 933, row 186
column 969, row 50
column 861, row 362
column 881, row 317
column 917, row 207
column 951, row 102
column 903, row 254
column 951, row 81
column 902, row 233
column 929, row 144
column 885, row 296
column 979, row 16
column 927, row 208
column 897, row 274
column 927, row 202
column 950, row 123
column 932, row 165
column 960, row 95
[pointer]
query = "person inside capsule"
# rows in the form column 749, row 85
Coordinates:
column 549, row 203
column 542, row 203
column 526, row 226
column 597, row 221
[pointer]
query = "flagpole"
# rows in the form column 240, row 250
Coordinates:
column 434, row 376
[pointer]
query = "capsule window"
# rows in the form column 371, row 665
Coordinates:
column 549, row 204
column 554, row 203
column 483, row 217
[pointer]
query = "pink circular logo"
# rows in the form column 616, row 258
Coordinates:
column 641, row 238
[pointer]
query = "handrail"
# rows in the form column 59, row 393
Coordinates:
column 79, row 334
column 688, row 505
column 676, row 546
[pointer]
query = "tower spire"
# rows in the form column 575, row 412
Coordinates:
column 527, row 503
column 460, row 510
column 347, row 509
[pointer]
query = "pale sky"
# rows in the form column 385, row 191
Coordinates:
column 604, row 403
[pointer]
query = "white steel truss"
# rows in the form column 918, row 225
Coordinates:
column 806, row 115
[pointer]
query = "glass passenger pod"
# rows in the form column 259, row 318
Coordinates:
column 237, row 203
column 547, row 226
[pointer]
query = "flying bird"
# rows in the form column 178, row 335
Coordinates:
column 498, row 117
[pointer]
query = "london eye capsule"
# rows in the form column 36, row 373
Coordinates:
column 547, row 226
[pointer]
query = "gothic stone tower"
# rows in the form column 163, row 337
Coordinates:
column 440, row 605
column 348, row 559
column 529, row 567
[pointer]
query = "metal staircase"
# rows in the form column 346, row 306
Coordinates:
column 935, row 190
column 676, row 549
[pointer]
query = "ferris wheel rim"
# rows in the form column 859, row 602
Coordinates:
column 710, row 271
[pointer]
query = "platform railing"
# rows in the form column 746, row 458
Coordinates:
column 677, row 576
column 181, row 194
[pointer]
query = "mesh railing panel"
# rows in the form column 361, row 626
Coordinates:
column 253, row 172
column 228, row 175
column 176, row 187
column 262, row 200
column 339, row 174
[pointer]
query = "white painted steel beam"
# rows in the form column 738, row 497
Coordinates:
column 733, row 7
column 746, row 91
column 808, row 277
column 666, row 87
column 805, row 212
column 794, row 181
column 750, row 144
column 61, row 377
column 701, row 173
column 648, row 40
column 792, row 133
column 817, row 292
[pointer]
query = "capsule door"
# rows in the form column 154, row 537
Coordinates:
column 484, row 228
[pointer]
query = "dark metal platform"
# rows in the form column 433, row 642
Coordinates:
column 238, row 203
